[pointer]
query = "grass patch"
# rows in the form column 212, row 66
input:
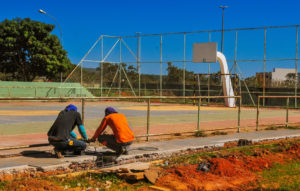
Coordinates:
column 248, row 150
column 219, row 133
column 281, row 127
column 2, row 185
column 281, row 177
column 200, row 133
column 271, row 128
column 97, row 180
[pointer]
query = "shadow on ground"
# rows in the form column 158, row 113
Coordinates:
column 37, row 154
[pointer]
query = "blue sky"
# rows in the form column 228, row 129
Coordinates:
column 82, row 22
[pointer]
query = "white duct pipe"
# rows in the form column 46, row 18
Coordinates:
column 227, row 85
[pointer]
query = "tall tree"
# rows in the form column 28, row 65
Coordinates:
column 27, row 50
column 175, row 75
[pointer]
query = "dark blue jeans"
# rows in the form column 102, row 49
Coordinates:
column 62, row 146
column 110, row 142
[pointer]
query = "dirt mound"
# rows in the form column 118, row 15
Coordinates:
column 221, row 177
column 226, row 167
column 33, row 185
column 232, row 173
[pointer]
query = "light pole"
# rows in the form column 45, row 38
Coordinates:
column 61, row 38
column 44, row 12
column 223, row 8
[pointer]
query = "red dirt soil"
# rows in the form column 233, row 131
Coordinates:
column 33, row 185
column 237, row 172
column 231, row 171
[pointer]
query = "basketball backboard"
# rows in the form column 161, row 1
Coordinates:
column 204, row 52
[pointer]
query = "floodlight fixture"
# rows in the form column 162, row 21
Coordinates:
column 42, row 11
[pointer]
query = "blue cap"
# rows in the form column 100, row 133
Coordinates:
column 71, row 107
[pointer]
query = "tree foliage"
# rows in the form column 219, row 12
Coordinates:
column 175, row 75
column 27, row 50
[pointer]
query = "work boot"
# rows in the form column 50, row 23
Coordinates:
column 120, row 151
column 125, row 151
column 58, row 154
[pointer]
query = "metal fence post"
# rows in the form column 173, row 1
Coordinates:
column 296, row 68
column 101, row 65
column 240, row 89
column 257, row 113
column 199, row 85
column 198, row 115
column 35, row 92
column 287, row 112
column 81, row 74
column 139, row 63
column 235, row 51
column 208, row 84
column 120, row 65
column 60, row 94
column 160, row 75
column 148, row 119
column 82, row 110
column 239, row 114
column 183, row 81
column 264, row 77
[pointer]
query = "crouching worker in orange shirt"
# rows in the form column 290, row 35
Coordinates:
column 122, row 136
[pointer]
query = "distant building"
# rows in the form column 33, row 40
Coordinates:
column 278, row 75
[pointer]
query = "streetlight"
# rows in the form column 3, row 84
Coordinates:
column 44, row 12
column 223, row 8
column 61, row 38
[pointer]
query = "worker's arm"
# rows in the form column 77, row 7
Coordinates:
column 73, row 134
column 80, row 126
column 82, row 132
column 100, row 129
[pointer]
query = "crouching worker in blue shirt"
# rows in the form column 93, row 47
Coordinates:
column 61, row 134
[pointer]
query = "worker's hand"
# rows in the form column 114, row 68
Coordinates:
column 90, row 140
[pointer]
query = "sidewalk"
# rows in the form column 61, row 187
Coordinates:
column 43, row 161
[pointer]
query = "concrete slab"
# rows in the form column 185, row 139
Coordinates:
column 138, row 166
column 48, row 168
column 17, row 167
column 80, row 158
column 143, row 151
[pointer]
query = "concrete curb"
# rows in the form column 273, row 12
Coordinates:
column 88, row 161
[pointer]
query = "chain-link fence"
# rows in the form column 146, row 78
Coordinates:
column 264, row 59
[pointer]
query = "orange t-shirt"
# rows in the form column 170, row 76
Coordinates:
column 118, row 124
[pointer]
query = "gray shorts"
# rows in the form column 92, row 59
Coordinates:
column 110, row 142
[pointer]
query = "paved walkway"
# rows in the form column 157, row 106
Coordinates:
column 45, row 161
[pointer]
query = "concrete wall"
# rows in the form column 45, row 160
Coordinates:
column 42, row 89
